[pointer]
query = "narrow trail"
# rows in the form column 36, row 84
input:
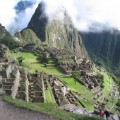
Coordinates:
column 9, row 112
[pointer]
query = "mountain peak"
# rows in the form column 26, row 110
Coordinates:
column 57, row 30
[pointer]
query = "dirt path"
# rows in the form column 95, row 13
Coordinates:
column 9, row 112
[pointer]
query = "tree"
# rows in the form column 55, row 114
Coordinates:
column 20, row 59
column 44, row 59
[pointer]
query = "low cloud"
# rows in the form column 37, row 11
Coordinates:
column 22, row 18
column 86, row 15
column 7, row 12
column 12, row 20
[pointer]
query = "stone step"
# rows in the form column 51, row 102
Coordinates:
column 7, row 87
column 8, row 83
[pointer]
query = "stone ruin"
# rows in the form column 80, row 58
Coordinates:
column 4, row 54
column 63, row 95
column 90, row 80
column 68, row 67
column 66, row 60
column 20, row 84
column 56, row 53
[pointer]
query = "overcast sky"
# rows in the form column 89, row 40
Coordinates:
column 84, row 13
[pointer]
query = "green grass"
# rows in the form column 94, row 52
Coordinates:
column 31, row 63
column 107, row 84
column 74, row 85
column 80, row 89
column 49, row 109
column 25, row 55
column 108, row 81
column 49, row 98
column 87, row 104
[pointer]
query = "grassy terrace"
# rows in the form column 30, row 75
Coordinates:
column 48, row 108
column 49, row 98
column 108, row 81
column 107, row 84
column 74, row 85
column 31, row 64
column 80, row 89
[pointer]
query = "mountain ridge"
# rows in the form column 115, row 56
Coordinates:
column 105, row 46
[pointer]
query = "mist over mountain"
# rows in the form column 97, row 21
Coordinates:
column 83, row 14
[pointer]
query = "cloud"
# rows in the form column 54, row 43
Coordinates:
column 12, row 20
column 22, row 18
column 7, row 12
column 85, row 13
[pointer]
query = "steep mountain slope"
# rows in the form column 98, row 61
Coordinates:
column 106, row 46
column 56, row 32
column 27, row 36
column 7, row 39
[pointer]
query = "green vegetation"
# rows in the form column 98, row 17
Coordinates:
column 107, row 83
column 27, row 36
column 74, row 85
column 87, row 104
column 118, row 103
column 48, row 108
column 49, row 98
column 76, row 74
column 80, row 89
column 20, row 59
column 9, row 41
column 31, row 63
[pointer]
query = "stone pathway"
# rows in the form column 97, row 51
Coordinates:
column 9, row 112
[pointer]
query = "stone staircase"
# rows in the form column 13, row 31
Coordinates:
column 7, row 85
column 31, row 92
